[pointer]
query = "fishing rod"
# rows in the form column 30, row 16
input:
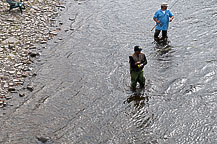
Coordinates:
column 170, row 8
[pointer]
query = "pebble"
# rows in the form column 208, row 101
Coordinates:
column 30, row 87
column 21, row 94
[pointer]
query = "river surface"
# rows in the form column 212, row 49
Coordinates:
column 82, row 95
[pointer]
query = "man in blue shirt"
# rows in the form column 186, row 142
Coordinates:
column 162, row 17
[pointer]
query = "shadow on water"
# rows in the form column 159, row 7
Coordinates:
column 138, row 99
column 163, row 47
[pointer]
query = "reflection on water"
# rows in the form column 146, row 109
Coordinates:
column 138, row 99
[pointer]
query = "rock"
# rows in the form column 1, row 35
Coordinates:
column 72, row 19
column 6, row 85
column 54, row 32
column 8, row 98
column 11, row 72
column 33, row 54
column 3, row 77
column 22, row 94
column 10, row 40
column 11, row 89
column 2, row 103
column 30, row 87
column 11, row 84
column 19, row 73
column 42, row 139
column 43, row 42
column 10, row 20
column 34, row 75
column 60, row 6
column 25, row 74
column 32, row 47
column 18, row 64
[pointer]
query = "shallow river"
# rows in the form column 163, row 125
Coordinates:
column 82, row 95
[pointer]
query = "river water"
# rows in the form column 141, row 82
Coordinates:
column 82, row 95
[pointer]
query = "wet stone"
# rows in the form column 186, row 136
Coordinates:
column 42, row 139
column 2, row 103
column 33, row 54
column 6, row 85
column 11, row 89
column 10, row 20
column 21, row 94
column 11, row 84
column 30, row 87
column 54, row 32
column 7, row 97
column 43, row 42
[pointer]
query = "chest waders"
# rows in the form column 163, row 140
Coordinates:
column 137, row 76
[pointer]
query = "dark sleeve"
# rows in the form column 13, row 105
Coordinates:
column 144, row 62
column 132, row 62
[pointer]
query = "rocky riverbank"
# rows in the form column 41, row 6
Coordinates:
column 21, row 35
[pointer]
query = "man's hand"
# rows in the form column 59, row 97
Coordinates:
column 171, row 19
column 157, row 21
column 137, row 63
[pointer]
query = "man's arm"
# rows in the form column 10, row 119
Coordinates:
column 132, row 62
column 171, row 18
column 144, row 62
column 155, row 19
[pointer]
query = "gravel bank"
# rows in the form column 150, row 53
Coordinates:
column 20, row 37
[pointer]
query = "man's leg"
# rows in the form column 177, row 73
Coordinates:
column 134, row 77
column 21, row 11
column 156, row 34
column 141, row 79
column 164, row 35
column 12, row 5
column 10, row 8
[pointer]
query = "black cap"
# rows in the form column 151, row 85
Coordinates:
column 137, row 48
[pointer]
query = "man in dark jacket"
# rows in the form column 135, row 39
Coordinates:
column 137, row 62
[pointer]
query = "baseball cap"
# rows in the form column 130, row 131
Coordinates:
column 164, row 4
column 137, row 48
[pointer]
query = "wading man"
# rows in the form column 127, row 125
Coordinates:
column 162, row 17
column 137, row 62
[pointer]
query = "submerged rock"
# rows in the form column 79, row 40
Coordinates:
column 43, row 139
column 22, row 94
column 30, row 87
